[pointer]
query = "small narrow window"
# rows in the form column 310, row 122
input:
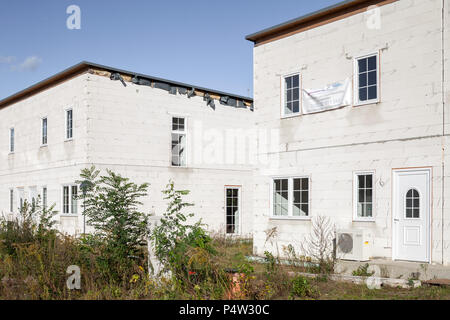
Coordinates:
column 44, row 197
column 69, row 124
column 11, row 200
column 44, row 132
column 367, row 79
column 280, row 197
column 301, row 197
column 74, row 200
column 66, row 199
column 21, row 194
column 412, row 207
column 232, row 210
column 291, row 95
column 11, row 140
column 70, row 202
column 178, row 142
column 364, row 195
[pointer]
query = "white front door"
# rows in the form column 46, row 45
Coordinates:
column 411, row 214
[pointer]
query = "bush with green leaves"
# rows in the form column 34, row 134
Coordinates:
column 111, row 205
column 33, row 223
column 180, row 246
column 301, row 287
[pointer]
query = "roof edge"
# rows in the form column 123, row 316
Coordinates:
column 85, row 66
column 308, row 21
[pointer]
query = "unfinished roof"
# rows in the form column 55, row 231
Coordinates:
column 129, row 76
column 312, row 20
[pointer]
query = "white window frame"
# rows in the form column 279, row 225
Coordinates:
column 290, row 198
column 237, row 230
column 12, row 140
column 185, row 133
column 357, row 102
column 355, row 196
column 70, row 204
column 44, row 199
column 42, row 132
column 11, row 200
column 66, row 112
column 283, row 99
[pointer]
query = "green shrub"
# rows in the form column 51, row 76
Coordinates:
column 301, row 287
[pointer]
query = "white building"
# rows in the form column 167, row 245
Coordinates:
column 359, row 95
column 145, row 128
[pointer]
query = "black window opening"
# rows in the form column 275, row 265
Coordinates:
column 69, row 124
column 368, row 79
column 44, row 131
column 232, row 210
column 292, row 94
column 412, row 204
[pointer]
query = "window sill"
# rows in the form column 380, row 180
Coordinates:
column 43, row 145
column 290, row 116
column 11, row 153
column 364, row 220
column 290, row 218
column 69, row 215
column 365, row 103
column 179, row 167
column 68, row 140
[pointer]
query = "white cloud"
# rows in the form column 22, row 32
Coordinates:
column 7, row 59
column 30, row 64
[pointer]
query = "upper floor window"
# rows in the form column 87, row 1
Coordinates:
column 44, row 132
column 291, row 95
column 178, row 142
column 11, row 140
column 364, row 195
column 291, row 197
column 69, row 124
column 366, row 79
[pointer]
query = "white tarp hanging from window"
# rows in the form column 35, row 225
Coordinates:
column 333, row 96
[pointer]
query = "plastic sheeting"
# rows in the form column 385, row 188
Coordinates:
column 332, row 96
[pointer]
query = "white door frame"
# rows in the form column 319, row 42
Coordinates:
column 429, row 171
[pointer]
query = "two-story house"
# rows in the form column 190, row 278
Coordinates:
column 146, row 128
column 359, row 95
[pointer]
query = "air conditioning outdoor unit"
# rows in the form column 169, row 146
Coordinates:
column 353, row 245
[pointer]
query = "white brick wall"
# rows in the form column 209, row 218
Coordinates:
column 127, row 130
column 403, row 130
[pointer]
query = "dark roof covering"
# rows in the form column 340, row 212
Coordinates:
column 84, row 66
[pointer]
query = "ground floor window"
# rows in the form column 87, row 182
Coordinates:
column 363, row 195
column 69, row 199
column 11, row 200
column 44, row 197
column 232, row 204
column 291, row 197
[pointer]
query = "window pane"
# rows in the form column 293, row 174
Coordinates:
column 408, row 203
column 305, row 184
column 297, row 197
column 363, row 94
column 372, row 78
column 372, row 93
column 361, row 195
column 305, row 210
column 408, row 213
column 372, row 63
column 416, row 213
column 368, row 195
column 295, row 81
column 284, row 184
column 74, row 199
column 362, row 65
column 361, row 181
column 297, row 184
column 65, row 199
column 368, row 209
column 296, row 209
column 363, row 80
column 368, row 179
column 288, row 82
column 295, row 107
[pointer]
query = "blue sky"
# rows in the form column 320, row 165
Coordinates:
column 199, row 42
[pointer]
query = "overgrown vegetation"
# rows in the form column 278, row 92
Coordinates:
column 113, row 260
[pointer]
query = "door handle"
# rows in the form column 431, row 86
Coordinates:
column 396, row 220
